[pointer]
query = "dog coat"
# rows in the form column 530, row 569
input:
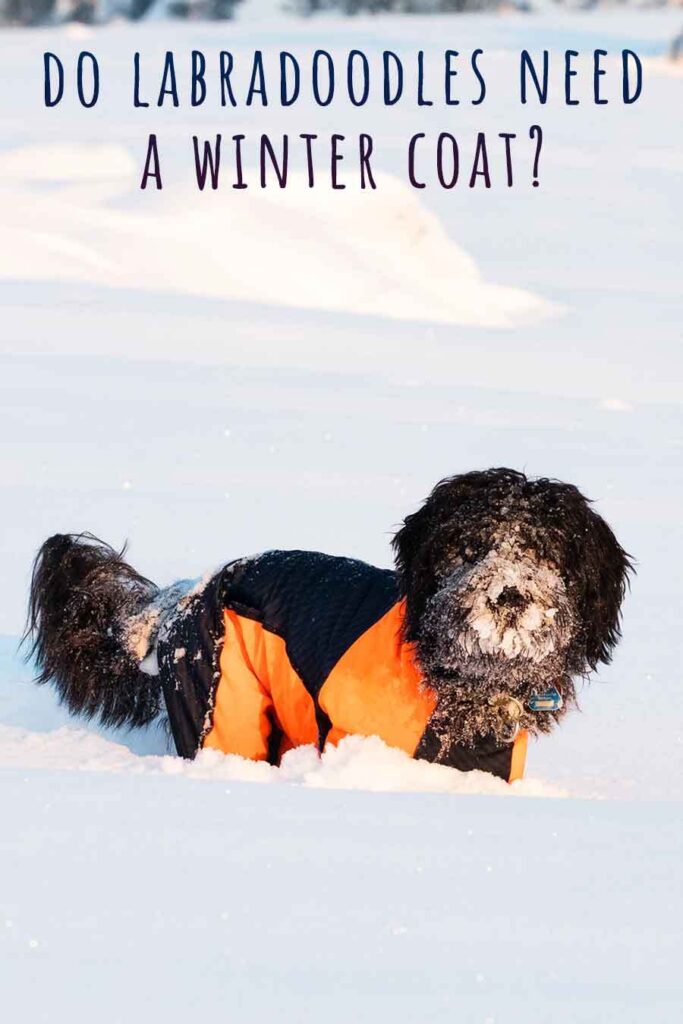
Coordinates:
column 294, row 647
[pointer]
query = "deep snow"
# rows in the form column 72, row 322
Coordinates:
column 301, row 377
column 145, row 899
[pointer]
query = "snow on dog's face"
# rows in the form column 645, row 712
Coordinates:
column 510, row 604
column 499, row 628
column 512, row 587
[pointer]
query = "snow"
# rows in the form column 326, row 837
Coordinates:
column 536, row 634
column 378, row 254
column 165, row 898
column 358, row 763
column 36, row 733
column 214, row 374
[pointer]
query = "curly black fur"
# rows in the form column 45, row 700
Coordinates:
column 512, row 586
column 82, row 594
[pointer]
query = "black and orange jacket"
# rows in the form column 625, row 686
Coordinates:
column 295, row 647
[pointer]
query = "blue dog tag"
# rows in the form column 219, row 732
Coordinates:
column 549, row 700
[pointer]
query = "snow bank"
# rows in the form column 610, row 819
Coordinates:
column 63, row 163
column 364, row 763
column 355, row 251
column 37, row 733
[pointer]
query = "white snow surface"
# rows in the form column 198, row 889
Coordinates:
column 209, row 375
column 381, row 254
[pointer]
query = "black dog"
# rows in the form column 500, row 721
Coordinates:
column 514, row 588
column 506, row 591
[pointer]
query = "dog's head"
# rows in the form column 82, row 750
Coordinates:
column 83, row 597
column 513, row 588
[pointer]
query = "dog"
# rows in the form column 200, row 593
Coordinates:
column 506, row 591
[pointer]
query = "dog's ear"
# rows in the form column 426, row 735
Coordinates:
column 603, row 571
column 411, row 557
column 413, row 552
column 408, row 541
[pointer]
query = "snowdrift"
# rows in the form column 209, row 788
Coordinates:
column 36, row 733
column 70, row 213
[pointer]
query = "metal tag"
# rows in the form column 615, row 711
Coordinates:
column 548, row 700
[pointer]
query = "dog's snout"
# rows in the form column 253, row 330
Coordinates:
column 511, row 598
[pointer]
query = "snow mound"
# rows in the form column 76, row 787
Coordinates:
column 73, row 213
column 36, row 732
column 361, row 763
column 63, row 163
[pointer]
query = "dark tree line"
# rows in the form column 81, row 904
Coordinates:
column 41, row 12
column 45, row 12
column 398, row 6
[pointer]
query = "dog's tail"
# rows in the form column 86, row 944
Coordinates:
column 82, row 592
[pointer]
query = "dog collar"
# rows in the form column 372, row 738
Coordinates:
column 546, row 700
column 512, row 709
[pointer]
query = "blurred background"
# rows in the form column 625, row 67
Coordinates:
column 41, row 12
